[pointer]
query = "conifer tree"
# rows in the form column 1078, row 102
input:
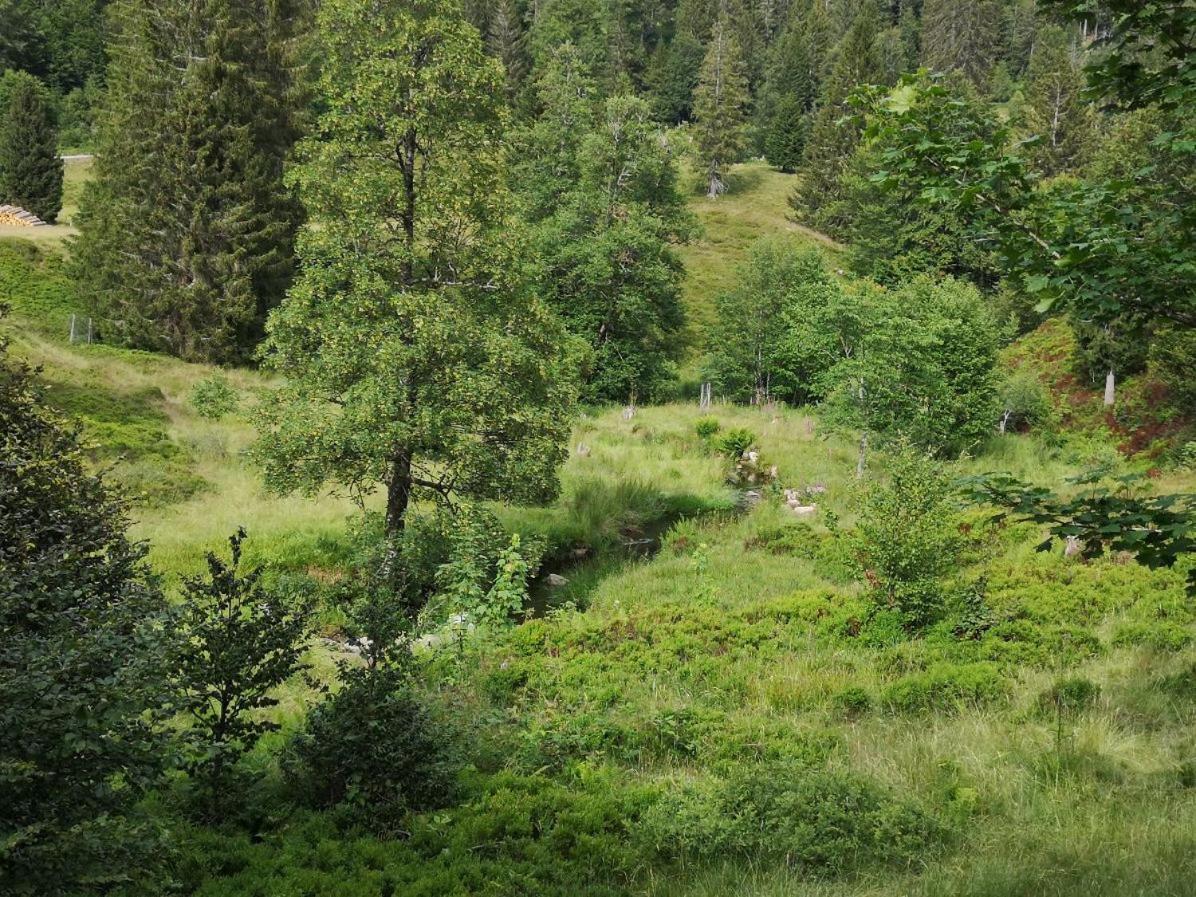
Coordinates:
column 187, row 231
column 415, row 357
column 1056, row 111
column 835, row 131
column 720, row 107
column 507, row 43
column 787, row 98
column 30, row 168
column 961, row 36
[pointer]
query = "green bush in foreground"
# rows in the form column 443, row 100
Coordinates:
column 817, row 821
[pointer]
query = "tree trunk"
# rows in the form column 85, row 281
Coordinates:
column 1110, row 388
column 398, row 497
column 862, row 460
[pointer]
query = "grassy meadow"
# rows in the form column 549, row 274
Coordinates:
column 709, row 705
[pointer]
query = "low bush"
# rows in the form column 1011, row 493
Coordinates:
column 945, row 687
column 707, row 426
column 817, row 821
column 371, row 748
column 214, row 397
column 734, row 443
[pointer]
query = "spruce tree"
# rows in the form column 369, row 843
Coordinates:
column 961, row 36
column 836, row 128
column 82, row 664
column 507, row 43
column 30, row 168
column 720, row 107
column 788, row 95
column 1056, row 111
column 187, row 230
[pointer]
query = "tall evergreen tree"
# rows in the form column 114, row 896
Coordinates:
column 414, row 356
column 187, row 231
column 961, row 36
column 506, row 41
column 1056, row 111
column 835, row 131
column 672, row 76
column 720, row 107
column 30, row 168
column 787, row 98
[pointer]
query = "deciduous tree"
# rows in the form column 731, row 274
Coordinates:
column 416, row 357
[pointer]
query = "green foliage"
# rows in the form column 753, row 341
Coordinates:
column 946, row 687
column 1104, row 249
column 907, row 538
column 1070, row 696
column 1058, row 115
column 30, row 169
column 214, row 397
column 238, row 642
column 750, row 359
column 720, row 107
column 961, row 35
column 835, row 130
column 381, row 386
column 734, row 443
column 1025, row 402
column 605, row 262
column 672, row 76
column 707, row 426
column 1158, row 530
column 372, row 749
column 484, row 579
column 187, row 230
column 923, row 367
column 81, row 663
column 819, row 822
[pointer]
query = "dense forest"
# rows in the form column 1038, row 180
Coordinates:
column 598, row 447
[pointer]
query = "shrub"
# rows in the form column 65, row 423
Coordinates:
column 908, row 536
column 707, row 426
column 1025, row 403
column 817, row 821
column 734, row 443
column 1070, row 696
column 371, row 748
column 853, row 701
column 214, row 397
column 945, row 687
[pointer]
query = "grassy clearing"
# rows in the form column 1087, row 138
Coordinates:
column 755, row 206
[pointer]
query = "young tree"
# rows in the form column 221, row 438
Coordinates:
column 749, row 357
column 1057, row 113
column 238, row 642
column 82, row 668
column 187, row 230
column 30, row 168
column 924, row 370
column 607, row 264
column 720, row 107
column 415, row 357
